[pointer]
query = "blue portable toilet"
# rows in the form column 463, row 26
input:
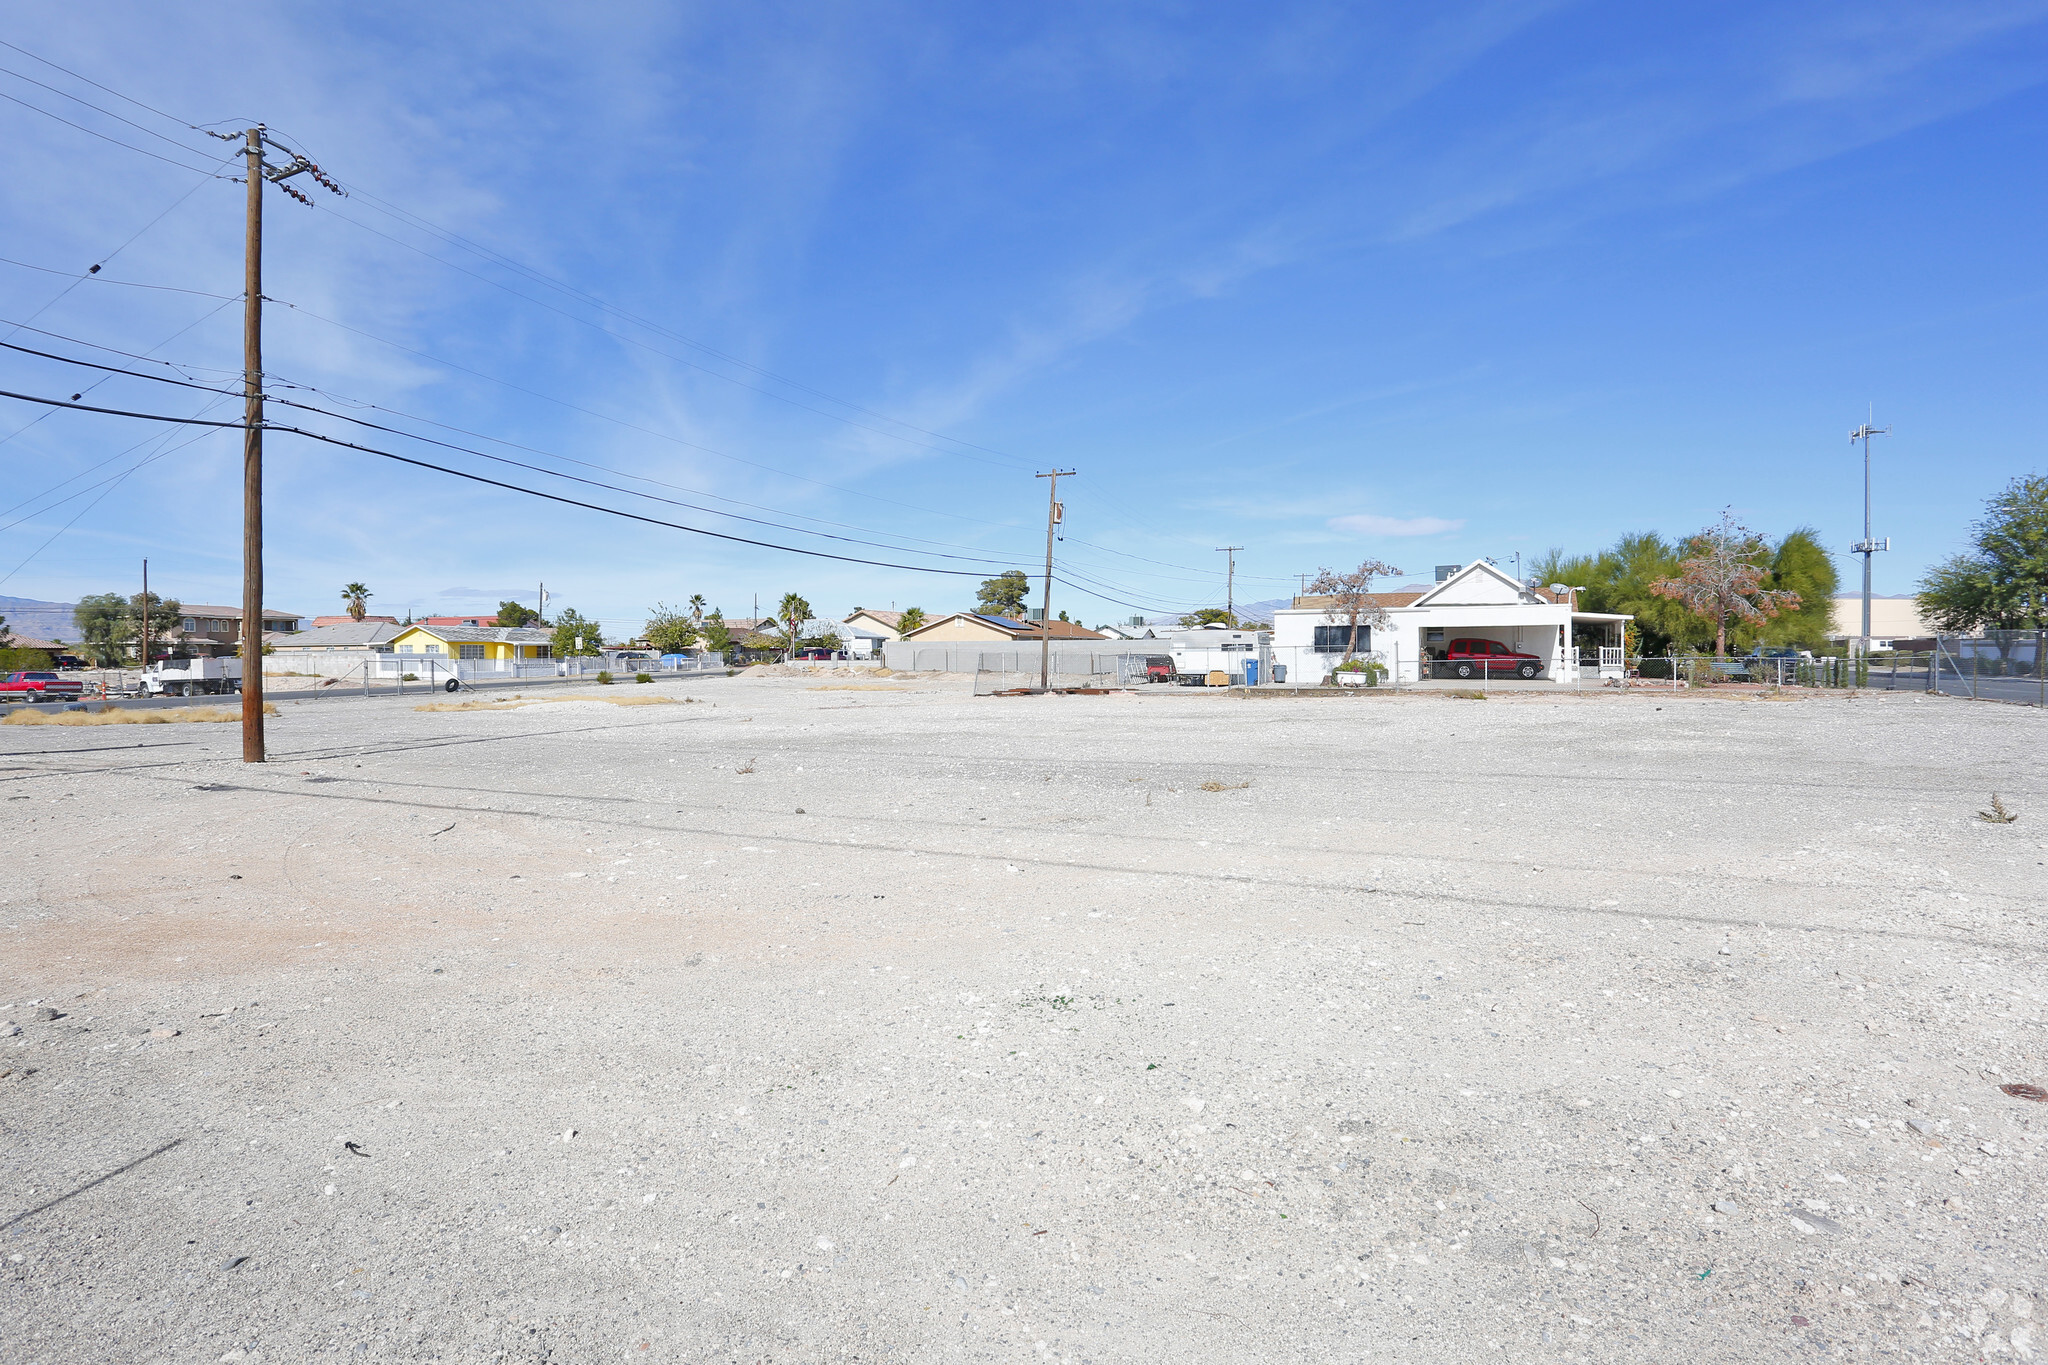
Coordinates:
column 1251, row 672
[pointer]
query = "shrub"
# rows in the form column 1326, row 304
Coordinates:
column 408, row 677
column 643, row 677
column 24, row 661
column 604, row 677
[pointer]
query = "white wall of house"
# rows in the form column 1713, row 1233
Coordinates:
column 1478, row 602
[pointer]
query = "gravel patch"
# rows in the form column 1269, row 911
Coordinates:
column 811, row 1022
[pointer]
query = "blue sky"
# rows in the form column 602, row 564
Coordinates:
column 1324, row 281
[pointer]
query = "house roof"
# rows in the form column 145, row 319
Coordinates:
column 1016, row 630
column 481, row 618
column 320, row 621
column 347, row 635
column 892, row 619
column 1389, row 600
column 471, row 635
column 234, row 613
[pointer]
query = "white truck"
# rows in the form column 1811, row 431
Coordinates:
column 192, row 677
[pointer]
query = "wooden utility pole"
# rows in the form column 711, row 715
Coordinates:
column 142, row 645
column 253, row 143
column 1052, row 520
column 252, row 458
column 1230, row 582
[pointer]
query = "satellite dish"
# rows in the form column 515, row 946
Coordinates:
column 1559, row 587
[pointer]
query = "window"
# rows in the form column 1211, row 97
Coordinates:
column 189, row 625
column 1334, row 639
column 471, row 651
column 431, row 649
column 542, row 651
column 405, row 649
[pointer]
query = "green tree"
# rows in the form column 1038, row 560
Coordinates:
column 670, row 631
column 4, row 635
column 1004, row 594
column 514, row 615
column 912, row 618
column 355, row 599
column 1801, row 565
column 571, row 627
column 716, row 633
column 2002, row 582
column 792, row 612
column 101, row 619
column 1207, row 616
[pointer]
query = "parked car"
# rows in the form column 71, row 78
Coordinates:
column 1472, row 658
column 819, row 654
column 71, row 662
column 1158, row 668
column 40, row 687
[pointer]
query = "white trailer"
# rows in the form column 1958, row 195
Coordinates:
column 192, row 677
column 1217, row 649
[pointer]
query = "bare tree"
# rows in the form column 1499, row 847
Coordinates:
column 1351, row 603
column 1721, row 579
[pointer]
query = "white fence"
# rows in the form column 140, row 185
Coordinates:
column 967, row 656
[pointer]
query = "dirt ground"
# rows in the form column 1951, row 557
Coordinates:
column 821, row 1019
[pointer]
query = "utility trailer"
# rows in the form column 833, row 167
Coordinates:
column 192, row 677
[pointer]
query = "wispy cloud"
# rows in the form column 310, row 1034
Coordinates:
column 1368, row 524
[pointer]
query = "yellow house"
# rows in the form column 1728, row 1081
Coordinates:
column 494, row 644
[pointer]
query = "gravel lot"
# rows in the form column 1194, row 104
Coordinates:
column 829, row 1019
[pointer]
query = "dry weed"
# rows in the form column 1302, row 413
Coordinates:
column 855, row 687
column 1466, row 694
column 515, row 703
column 1225, row 786
column 187, row 715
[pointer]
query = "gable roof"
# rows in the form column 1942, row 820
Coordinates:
column 1479, row 568
column 892, row 619
column 470, row 635
column 1389, row 600
column 348, row 635
column 1015, row 629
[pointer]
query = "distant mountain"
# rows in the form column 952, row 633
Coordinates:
column 39, row 620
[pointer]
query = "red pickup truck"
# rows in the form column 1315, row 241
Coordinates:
column 40, row 687
column 1469, row 658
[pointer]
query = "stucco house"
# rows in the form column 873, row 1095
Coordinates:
column 974, row 627
column 1479, row 601
column 485, row 646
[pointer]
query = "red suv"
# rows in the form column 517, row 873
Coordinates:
column 1469, row 658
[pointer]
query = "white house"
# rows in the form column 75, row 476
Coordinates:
column 1477, row 602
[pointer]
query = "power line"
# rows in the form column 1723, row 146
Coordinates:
column 614, row 488
column 495, row 483
column 981, row 557
column 97, row 86
column 23, row 327
column 670, row 355
column 629, row 426
column 65, row 94
column 128, row 284
column 94, row 132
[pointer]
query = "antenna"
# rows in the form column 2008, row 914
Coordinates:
column 1867, row 546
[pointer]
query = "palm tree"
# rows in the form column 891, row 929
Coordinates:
column 356, row 598
column 912, row 618
column 697, row 610
column 794, row 611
